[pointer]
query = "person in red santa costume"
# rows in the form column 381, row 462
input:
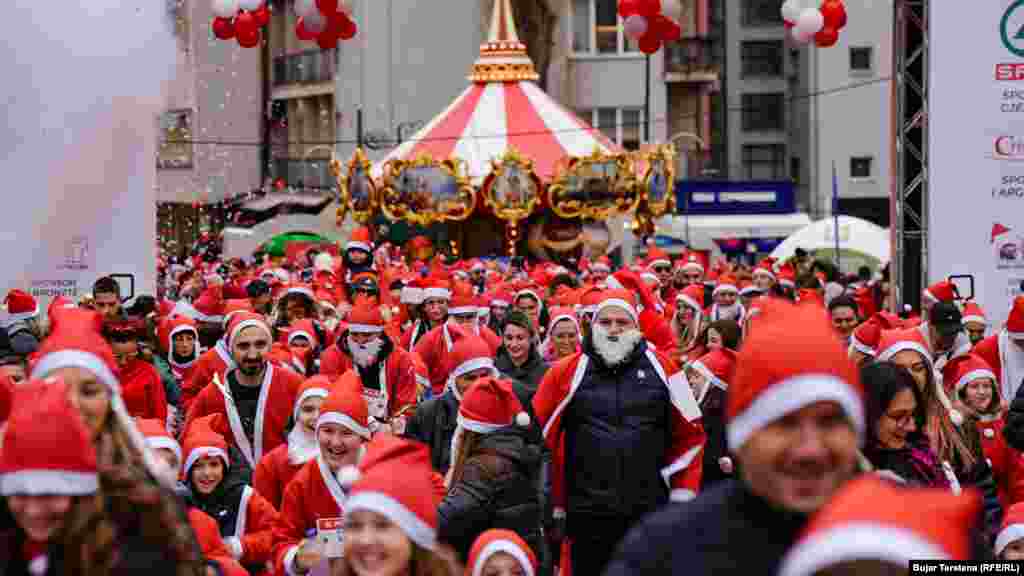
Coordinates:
column 1004, row 352
column 244, row 517
column 499, row 552
column 179, row 337
column 254, row 401
column 595, row 399
column 435, row 347
column 143, row 392
column 275, row 470
column 314, row 502
column 432, row 312
column 214, row 362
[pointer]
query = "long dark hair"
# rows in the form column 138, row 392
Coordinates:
column 729, row 330
column 882, row 382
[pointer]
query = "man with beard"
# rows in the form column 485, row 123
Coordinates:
column 254, row 399
column 794, row 418
column 215, row 361
column 259, row 296
column 432, row 312
column 631, row 439
column 726, row 304
column 435, row 347
column 387, row 372
column 314, row 501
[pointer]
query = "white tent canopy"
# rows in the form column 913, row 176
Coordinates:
column 703, row 230
column 855, row 235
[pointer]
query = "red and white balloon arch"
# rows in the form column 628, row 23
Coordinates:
column 819, row 24
column 322, row 21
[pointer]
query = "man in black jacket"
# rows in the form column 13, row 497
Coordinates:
column 794, row 417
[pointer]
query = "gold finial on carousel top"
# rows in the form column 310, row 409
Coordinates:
column 503, row 57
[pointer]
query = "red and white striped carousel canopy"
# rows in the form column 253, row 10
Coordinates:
column 503, row 109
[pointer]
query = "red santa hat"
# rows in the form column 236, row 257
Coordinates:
column 20, row 306
column 6, row 397
column 234, row 306
column 657, row 257
column 209, row 307
column 345, row 406
column 692, row 297
column 943, row 291
column 244, row 320
column 717, row 366
column 764, row 268
column 623, row 299
column 365, row 318
column 437, row 289
column 726, row 283
column 589, row 300
column 602, row 264
column 865, row 338
column 691, row 262
column 469, row 353
column 323, row 262
column 171, row 327
column 787, row 276
column 463, row 303
column 360, row 240
column 47, row 449
column 157, row 436
column 974, row 313
column 489, row 405
column 893, row 342
column 60, row 303
column 412, row 292
column 318, row 386
column 970, row 368
column 302, row 329
column 494, row 541
column 529, row 293
column 772, row 381
column 75, row 342
column 891, row 529
column 395, row 480
column 326, row 300
column 202, row 442
column 1015, row 321
column 500, row 299
column 300, row 290
column 1012, row 528
column 747, row 288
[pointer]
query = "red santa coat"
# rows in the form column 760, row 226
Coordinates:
column 254, row 527
column 143, row 392
column 334, row 362
column 433, row 349
column 412, row 335
column 1007, row 464
column 274, row 408
column 312, row 495
column 211, row 544
column 273, row 473
column 215, row 361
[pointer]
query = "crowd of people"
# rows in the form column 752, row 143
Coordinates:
column 365, row 414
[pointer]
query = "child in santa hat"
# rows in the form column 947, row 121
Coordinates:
column 1009, row 543
column 501, row 553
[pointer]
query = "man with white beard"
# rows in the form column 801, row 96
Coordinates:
column 727, row 305
column 632, row 440
column 388, row 372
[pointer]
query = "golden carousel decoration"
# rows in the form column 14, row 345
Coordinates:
column 512, row 191
column 425, row 191
column 357, row 190
column 596, row 187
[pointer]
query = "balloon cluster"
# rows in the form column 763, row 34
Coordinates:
column 644, row 21
column 322, row 21
column 241, row 20
column 820, row 24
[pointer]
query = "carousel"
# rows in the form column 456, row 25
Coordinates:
column 506, row 156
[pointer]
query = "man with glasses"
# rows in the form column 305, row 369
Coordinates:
column 689, row 271
column 660, row 264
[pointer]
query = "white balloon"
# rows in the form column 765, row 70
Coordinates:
column 673, row 9
column 635, row 26
column 225, row 8
column 791, row 11
column 800, row 37
column 314, row 22
column 304, row 8
column 250, row 5
column 811, row 21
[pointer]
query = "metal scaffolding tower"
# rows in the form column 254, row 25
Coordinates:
column 909, row 268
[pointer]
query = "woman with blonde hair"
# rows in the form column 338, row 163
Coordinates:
column 129, row 472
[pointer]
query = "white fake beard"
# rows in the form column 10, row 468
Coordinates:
column 365, row 355
column 615, row 349
column 302, row 446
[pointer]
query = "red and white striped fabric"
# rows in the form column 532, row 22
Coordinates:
column 499, row 112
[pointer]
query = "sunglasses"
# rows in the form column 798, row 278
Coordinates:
column 662, row 269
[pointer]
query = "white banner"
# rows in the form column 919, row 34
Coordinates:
column 976, row 147
column 82, row 96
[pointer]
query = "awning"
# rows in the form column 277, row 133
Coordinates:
column 704, row 230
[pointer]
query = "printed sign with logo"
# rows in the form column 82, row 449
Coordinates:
column 330, row 532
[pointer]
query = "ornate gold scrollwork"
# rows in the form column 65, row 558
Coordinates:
column 357, row 188
column 595, row 186
column 658, row 189
column 424, row 191
column 512, row 189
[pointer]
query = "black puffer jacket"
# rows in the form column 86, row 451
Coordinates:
column 529, row 374
column 712, row 408
column 434, row 424
column 498, row 489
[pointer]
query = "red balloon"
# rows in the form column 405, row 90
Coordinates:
column 649, row 8
column 671, row 31
column 834, row 12
column 649, row 43
column 628, row 8
column 249, row 39
column 827, row 37
column 262, row 15
column 327, row 7
column 300, row 31
column 223, row 28
column 788, row 24
column 345, row 27
column 245, row 23
column 328, row 39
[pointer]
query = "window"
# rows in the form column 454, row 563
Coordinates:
column 764, row 161
column 860, row 166
column 762, row 58
column 794, row 168
column 624, row 126
column 862, row 59
column 763, row 112
column 597, row 28
column 762, row 13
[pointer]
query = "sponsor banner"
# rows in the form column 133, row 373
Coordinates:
column 976, row 148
